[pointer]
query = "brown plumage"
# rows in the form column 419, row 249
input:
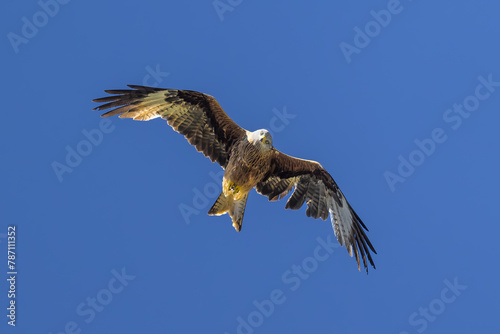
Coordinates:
column 249, row 159
column 195, row 115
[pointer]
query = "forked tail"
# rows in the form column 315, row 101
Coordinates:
column 236, row 209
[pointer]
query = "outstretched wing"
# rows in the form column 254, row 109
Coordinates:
column 315, row 186
column 197, row 116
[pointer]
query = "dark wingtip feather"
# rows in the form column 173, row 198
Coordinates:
column 138, row 87
column 145, row 88
column 117, row 91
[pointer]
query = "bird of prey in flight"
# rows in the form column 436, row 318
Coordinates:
column 248, row 158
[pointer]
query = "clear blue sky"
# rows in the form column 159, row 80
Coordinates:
column 398, row 100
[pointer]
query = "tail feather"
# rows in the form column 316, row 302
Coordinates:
column 221, row 205
column 236, row 209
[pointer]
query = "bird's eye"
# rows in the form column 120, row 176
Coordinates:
column 267, row 142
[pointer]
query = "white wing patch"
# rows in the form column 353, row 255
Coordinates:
column 149, row 107
column 342, row 219
column 323, row 201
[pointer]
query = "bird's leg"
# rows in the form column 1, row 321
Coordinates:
column 233, row 187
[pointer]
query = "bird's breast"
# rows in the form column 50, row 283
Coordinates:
column 247, row 166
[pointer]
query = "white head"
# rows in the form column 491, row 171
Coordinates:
column 262, row 139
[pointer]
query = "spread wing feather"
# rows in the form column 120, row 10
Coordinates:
column 313, row 185
column 197, row 116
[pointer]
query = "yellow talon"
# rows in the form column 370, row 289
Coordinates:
column 233, row 188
